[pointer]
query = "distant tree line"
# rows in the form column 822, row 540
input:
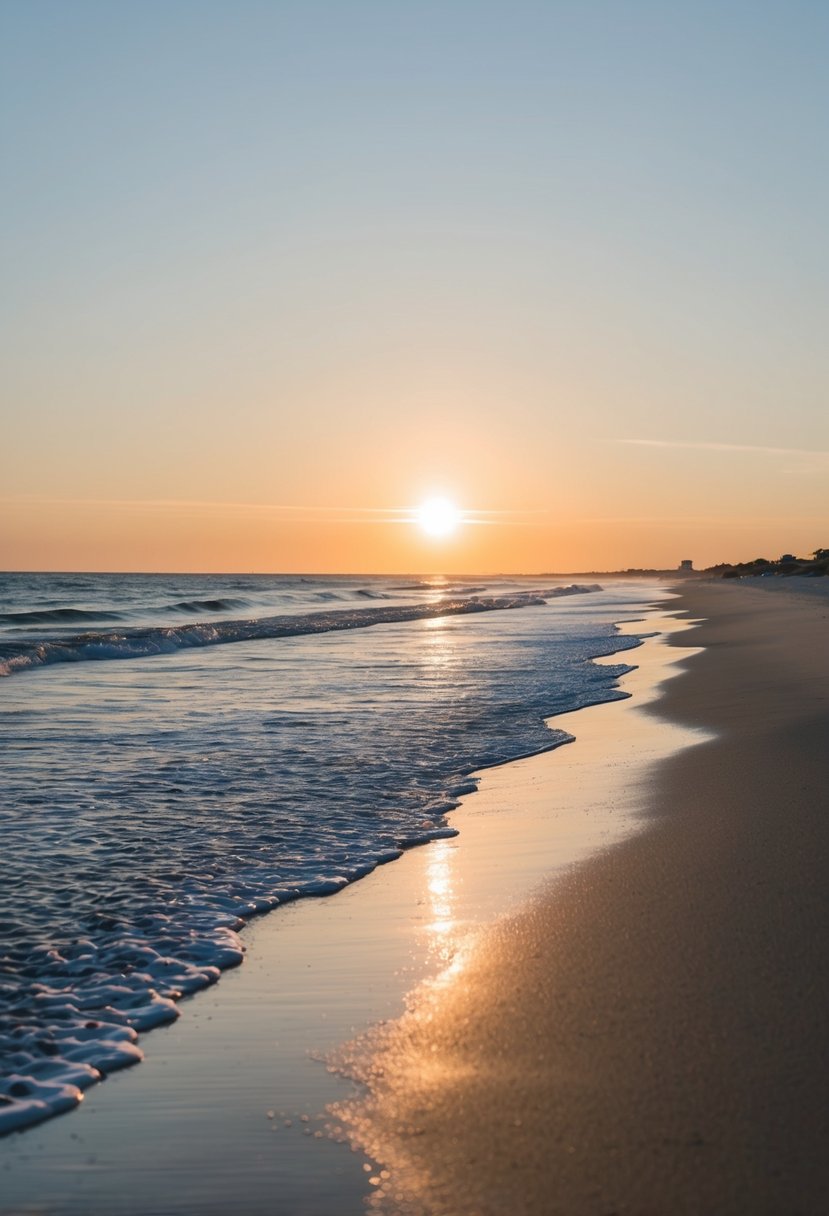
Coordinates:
column 815, row 566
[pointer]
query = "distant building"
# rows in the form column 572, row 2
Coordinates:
column 686, row 566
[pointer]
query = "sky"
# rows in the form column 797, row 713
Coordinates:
column 276, row 273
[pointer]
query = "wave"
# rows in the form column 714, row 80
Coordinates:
column 554, row 593
column 48, row 616
column 223, row 605
column 143, row 642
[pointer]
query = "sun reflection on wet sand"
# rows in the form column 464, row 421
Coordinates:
column 441, row 895
column 531, row 819
column 449, row 936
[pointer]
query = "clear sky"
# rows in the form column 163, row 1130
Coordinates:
column 273, row 273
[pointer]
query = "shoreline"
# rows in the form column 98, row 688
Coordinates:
column 316, row 973
column 648, row 1035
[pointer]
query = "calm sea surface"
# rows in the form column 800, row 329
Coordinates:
column 182, row 752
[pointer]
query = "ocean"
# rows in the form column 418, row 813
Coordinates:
column 182, row 752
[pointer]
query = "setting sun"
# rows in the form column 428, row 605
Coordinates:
column 438, row 516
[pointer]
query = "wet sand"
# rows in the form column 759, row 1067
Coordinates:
column 651, row 1035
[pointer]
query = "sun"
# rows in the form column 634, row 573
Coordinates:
column 438, row 517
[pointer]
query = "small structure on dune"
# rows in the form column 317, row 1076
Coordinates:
column 686, row 566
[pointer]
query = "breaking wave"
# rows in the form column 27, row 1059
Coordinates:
column 142, row 642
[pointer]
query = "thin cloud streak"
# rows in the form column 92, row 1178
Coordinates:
column 165, row 504
column 694, row 521
column 298, row 513
column 470, row 517
column 704, row 446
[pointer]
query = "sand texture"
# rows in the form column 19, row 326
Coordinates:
column 651, row 1035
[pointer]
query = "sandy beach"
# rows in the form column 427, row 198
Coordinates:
column 231, row 1100
column 649, row 1036
column 608, row 994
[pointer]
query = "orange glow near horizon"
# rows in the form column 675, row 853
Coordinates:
column 166, row 536
column 518, row 519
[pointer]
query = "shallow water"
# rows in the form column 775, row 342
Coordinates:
column 155, row 803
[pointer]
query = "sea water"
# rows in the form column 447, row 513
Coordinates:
column 180, row 753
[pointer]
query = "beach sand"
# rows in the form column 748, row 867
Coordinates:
column 228, row 1109
column 646, row 1034
column 651, row 1035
